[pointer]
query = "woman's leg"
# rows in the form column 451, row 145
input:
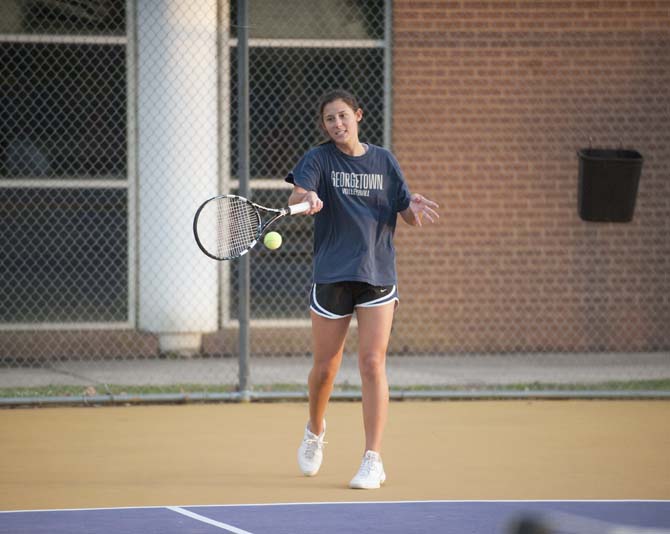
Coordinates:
column 374, row 331
column 328, row 337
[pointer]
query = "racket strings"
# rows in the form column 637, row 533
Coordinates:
column 227, row 227
column 238, row 225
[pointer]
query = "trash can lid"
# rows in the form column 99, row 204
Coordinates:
column 609, row 154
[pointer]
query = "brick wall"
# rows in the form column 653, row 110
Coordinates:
column 492, row 100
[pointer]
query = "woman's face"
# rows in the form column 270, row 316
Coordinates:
column 341, row 122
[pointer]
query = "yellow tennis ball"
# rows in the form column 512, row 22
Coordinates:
column 272, row 240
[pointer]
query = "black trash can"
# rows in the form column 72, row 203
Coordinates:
column 608, row 182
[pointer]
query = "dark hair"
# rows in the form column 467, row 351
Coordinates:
column 337, row 94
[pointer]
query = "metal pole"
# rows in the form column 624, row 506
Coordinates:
column 244, row 190
column 388, row 72
column 133, row 186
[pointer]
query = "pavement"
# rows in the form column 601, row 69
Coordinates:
column 436, row 371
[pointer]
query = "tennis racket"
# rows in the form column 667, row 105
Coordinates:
column 228, row 226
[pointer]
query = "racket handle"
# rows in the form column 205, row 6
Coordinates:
column 298, row 208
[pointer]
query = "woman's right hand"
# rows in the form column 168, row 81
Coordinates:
column 302, row 195
column 315, row 203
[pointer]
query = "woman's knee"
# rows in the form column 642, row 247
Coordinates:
column 324, row 372
column 372, row 365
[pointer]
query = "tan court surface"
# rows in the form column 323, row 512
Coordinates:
column 230, row 453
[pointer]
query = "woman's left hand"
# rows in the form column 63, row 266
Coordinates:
column 421, row 207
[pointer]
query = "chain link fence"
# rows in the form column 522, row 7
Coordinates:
column 118, row 118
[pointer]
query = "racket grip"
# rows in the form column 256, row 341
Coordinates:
column 298, row 208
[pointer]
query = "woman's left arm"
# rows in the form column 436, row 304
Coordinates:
column 420, row 207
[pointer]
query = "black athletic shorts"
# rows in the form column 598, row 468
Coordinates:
column 339, row 299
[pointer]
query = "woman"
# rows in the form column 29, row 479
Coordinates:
column 356, row 191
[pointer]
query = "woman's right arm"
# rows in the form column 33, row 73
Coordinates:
column 299, row 195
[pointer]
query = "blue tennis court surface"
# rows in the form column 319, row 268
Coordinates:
column 457, row 517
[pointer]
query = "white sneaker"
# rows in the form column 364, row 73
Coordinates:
column 371, row 473
column 310, row 452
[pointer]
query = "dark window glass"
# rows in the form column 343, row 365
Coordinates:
column 63, row 17
column 285, row 86
column 64, row 255
column 313, row 19
column 62, row 111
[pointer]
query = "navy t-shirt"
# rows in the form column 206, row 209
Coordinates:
column 362, row 195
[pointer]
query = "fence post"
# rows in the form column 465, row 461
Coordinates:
column 245, row 189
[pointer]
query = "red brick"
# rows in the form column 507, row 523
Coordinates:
column 518, row 88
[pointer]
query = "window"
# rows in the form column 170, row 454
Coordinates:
column 299, row 49
column 65, row 255
column 63, row 115
column 65, row 185
column 63, row 175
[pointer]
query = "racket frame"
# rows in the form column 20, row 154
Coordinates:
column 262, row 226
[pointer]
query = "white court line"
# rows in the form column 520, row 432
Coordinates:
column 203, row 519
column 330, row 503
column 444, row 501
